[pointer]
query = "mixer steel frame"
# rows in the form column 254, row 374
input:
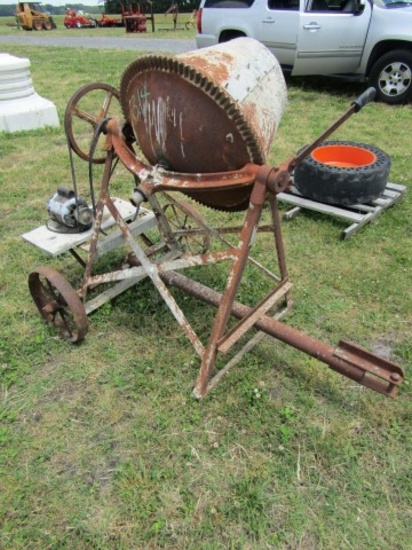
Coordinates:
column 163, row 272
column 265, row 182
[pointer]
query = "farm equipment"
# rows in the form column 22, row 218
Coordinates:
column 31, row 17
column 135, row 19
column 106, row 21
column 204, row 122
column 78, row 20
column 173, row 10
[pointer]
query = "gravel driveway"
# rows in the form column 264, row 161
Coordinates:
column 145, row 44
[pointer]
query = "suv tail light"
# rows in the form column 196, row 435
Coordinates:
column 199, row 20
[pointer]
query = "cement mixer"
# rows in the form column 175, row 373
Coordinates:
column 195, row 128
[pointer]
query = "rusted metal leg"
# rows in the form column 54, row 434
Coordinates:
column 247, row 236
column 152, row 271
column 280, row 250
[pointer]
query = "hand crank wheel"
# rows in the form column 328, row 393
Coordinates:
column 184, row 221
column 58, row 303
column 90, row 105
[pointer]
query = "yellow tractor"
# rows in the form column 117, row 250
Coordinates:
column 30, row 16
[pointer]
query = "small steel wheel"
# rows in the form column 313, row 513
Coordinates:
column 90, row 105
column 186, row 225
column 58, row 303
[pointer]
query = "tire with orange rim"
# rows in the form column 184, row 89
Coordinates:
column 343, row 173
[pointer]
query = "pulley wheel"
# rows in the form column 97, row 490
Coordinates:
column 58, row 303
column 90, row 105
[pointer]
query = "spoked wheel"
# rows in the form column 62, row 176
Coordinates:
column 186, row 225
column 58, row 303
column 90, row 105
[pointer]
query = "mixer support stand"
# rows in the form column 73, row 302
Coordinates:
column 150, row 269
column 247, row 236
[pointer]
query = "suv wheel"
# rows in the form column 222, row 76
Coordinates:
column 391, row 75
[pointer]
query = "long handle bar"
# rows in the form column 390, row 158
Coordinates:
column 367, row 96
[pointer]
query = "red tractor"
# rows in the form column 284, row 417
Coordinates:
column 78, row 19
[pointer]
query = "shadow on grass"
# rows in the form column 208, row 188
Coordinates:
column 322, row 84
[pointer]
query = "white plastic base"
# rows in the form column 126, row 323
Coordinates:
column 21, row 108
column 27, row 114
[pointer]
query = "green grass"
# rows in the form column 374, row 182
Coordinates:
column 102, row 445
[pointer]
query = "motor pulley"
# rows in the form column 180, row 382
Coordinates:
column 68, row 212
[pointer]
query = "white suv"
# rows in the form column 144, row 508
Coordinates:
column 360, row 39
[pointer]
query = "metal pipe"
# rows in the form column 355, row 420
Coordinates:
column 349, row 360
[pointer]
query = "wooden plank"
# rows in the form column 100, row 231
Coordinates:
column 111, row 293
column 396, row 187
column 54, row 244
column 116, row 238
column 359, row 214
column 354, row 228
column 320, row 207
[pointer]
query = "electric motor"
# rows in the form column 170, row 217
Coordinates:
column 70, row 211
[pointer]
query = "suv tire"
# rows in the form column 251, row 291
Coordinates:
column 391, row 75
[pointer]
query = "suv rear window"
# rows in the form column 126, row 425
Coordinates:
column 228, row 3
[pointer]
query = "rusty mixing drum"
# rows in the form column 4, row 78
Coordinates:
column 211, row 110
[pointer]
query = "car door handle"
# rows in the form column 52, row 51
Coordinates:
column 312, row 26
column 268, row 20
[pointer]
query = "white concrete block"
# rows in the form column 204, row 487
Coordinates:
column 21, row 108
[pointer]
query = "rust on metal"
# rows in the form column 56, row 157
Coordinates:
column 204, row 122
column 58, row 303
column 385, row 379
column 213, row 100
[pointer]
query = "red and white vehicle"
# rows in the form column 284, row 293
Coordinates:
column 78, row 20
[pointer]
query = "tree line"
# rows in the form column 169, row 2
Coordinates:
column 159, row 6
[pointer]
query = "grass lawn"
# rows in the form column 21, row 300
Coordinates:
column 102, row 445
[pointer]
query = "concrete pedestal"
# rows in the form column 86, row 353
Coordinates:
column 21, row 108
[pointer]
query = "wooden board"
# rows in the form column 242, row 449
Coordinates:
column 54, row 244
column 358, row 214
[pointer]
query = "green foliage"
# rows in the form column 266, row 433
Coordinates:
column 101, row 444
column 158, row 6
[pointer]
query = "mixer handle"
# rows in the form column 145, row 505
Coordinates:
column 367, row 96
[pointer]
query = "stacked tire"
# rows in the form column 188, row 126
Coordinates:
column 343, row 173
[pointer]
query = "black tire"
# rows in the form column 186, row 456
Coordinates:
column 226, row 36
column 391, row 75
column 319, row 179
